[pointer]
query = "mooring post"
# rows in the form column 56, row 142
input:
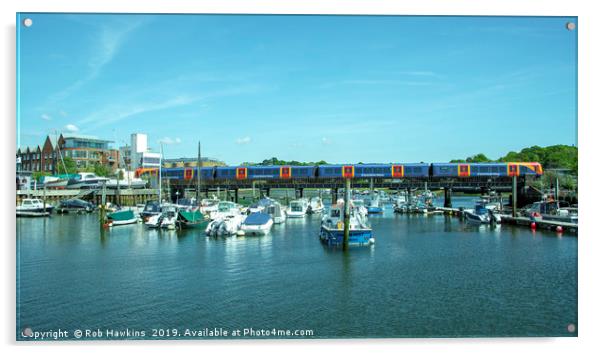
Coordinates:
column 514, row 195
column 371, row 187
column 235, row 195
column 103, row 201
column 44, row 197
column 300, row 192
column 347, row 215
column 447, row 194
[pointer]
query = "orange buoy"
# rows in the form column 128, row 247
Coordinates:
column 533, row 226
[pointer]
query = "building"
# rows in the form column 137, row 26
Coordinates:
column 191, row 162
column 84, row 150
column 141, row 155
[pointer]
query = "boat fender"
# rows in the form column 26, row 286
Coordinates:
column 340, row 225
column 559, row 228
column 533, row 226
column 371, row 240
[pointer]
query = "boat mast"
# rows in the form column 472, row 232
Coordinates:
column 160, row 165
column 58, row 148
column 198, row 174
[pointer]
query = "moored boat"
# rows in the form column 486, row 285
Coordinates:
column 374, row 205
column 86, row 180
column 121, row 217
column 257, row 224
column 33, row 207
column 332, row 228
column 315, row 205
column 192, row 219
column 297, row 208
column 276, row 211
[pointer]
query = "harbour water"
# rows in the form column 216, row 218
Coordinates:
column 426, row 276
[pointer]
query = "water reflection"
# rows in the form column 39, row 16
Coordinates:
column 420, row 268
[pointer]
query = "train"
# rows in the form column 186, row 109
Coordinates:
column 358, row 171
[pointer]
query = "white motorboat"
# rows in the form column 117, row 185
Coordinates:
column 257, row 224
column 33, row 207
column 132, row 183
column 55, row 182
column 226, row 220
column 358, row 204
column 479, row 215
column 169, row 215
column 86, row 180
column 209, row 205
column 315, row 205
column 297, row 208
column 260, row 205
column 276, row 211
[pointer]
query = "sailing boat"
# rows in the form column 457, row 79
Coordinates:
column 192, row 218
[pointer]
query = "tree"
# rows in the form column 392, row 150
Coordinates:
column 69, row 168
column 478, row 158
column 101, row 170
column 38, row 174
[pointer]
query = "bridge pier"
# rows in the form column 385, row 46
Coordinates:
column 447, row 197
column 267, row 192
column 514, row 195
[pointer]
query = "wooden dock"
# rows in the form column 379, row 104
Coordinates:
column 126, row 196
column 540, row 224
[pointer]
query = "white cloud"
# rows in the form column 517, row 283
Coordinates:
column 169, row 141
column 71, row 128
column 243, row 141
column 45, row 116
column 326, row 141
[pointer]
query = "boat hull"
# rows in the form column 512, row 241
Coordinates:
column 295, row 214
column 334, row 237
column 375, row 210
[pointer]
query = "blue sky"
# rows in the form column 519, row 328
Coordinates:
column 334, row 88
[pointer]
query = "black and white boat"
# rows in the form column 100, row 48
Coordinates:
column 33, row 207
column 86, row 180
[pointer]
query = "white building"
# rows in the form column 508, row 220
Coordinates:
column 141, row 156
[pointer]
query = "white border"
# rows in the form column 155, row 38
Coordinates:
column 590, row 60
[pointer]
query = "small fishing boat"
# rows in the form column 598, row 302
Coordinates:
column 33, row 207
column 121, row 217
column 315, row 205
column 257, row 224
column 332, row 228
column 192, row 219
column 297, row 208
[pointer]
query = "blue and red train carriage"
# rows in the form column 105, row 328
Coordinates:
column 358, row 171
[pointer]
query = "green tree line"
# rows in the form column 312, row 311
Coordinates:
column 555, row 156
